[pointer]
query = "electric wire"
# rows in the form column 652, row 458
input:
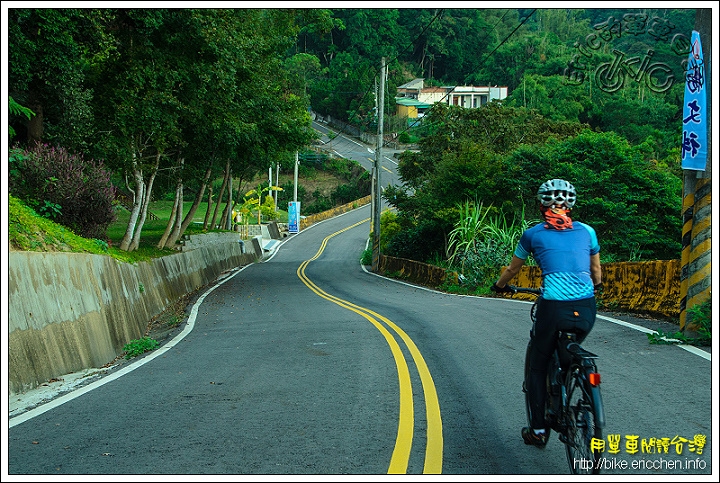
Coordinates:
column 438, row 14
column 480, row 63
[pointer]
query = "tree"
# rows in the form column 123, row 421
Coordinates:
column 463, row 159
column 16, row 109
column 141, row 96
column 631, row 201
column 51, row 53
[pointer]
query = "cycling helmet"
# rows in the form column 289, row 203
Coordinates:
column 557, row 191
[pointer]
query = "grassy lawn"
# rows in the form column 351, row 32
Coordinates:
column 153, row 230
column 28, row 231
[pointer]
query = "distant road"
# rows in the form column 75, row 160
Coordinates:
column 351, row 148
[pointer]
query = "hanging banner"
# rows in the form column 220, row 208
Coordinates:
column 293, row 216
column 694, row 136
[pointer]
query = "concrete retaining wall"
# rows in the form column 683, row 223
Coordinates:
column 73, row 311
column 651, row 287
column 416, row 272
column 309, row 220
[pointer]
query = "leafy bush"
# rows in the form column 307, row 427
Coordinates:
column 366, row 257
column 699, row 316
column 407, row 138
column 64, row 187
column 346, row 193
column 481, row 243
column 321, row 203
column 139, row 346
column 389, row 227
column 422, row 242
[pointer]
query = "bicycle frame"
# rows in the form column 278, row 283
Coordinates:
column 585, row 361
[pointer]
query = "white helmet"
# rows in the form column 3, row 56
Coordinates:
column 557, row 192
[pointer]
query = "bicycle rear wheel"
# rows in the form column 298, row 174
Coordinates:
column 581, row 427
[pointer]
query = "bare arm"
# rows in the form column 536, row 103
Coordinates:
column 595, row 269
column 512, row 270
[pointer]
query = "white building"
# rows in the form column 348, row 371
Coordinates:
column 413, row 98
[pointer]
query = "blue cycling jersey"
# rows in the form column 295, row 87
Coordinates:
column 563, row 257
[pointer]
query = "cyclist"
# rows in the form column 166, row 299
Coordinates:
column 568, row 254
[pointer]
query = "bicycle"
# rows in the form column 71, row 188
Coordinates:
column 573, row 407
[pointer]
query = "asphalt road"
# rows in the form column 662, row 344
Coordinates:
column 351, row 148
column 307, row 364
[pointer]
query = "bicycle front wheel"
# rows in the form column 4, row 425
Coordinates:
column 580, row 422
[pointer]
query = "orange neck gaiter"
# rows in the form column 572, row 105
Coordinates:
column 557, row 218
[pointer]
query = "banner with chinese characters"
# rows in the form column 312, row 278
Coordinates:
column 293, row 216
column 694, row 136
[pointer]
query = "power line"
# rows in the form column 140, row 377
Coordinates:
column 438, row 14
column 486, row 56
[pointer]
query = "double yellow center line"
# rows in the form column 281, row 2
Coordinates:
column 406, row 423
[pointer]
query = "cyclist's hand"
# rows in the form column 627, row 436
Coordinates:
column 505, row 289
column 598, row 288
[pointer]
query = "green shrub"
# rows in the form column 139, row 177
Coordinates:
column 64, row 187
column 139, row 346
column 699, row 315
column 480, row 244
column 366, row 257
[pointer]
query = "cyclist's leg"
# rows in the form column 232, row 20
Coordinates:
column 551, row 316
column 581, row 422
column 542, row 345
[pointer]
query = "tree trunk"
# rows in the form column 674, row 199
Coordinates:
column 178, row 220
column 174, row 226
column 196, row 203
column 138, row 194
column 220, row 195
column 163, row 239
column 145, row 202
column 35, row 125
column 209, row 207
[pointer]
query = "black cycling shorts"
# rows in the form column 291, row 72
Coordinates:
column 553, row 316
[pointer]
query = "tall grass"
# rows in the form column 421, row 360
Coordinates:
column 467, row 231
column 482, row 243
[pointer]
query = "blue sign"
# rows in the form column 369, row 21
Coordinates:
column 293, row 216
column 694, row 136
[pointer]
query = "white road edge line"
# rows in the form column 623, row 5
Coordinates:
column 21, row 418
column 692, row 349
column 37, row 411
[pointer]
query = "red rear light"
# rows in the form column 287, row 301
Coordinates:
column 594, row 378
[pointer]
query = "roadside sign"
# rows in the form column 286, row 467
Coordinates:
column 293, row 216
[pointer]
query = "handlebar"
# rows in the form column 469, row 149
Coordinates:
column 535, row 291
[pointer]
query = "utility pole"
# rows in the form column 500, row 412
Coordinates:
column 277, row 183
column 696, row 256
column 295, row 177
column 378, row 159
